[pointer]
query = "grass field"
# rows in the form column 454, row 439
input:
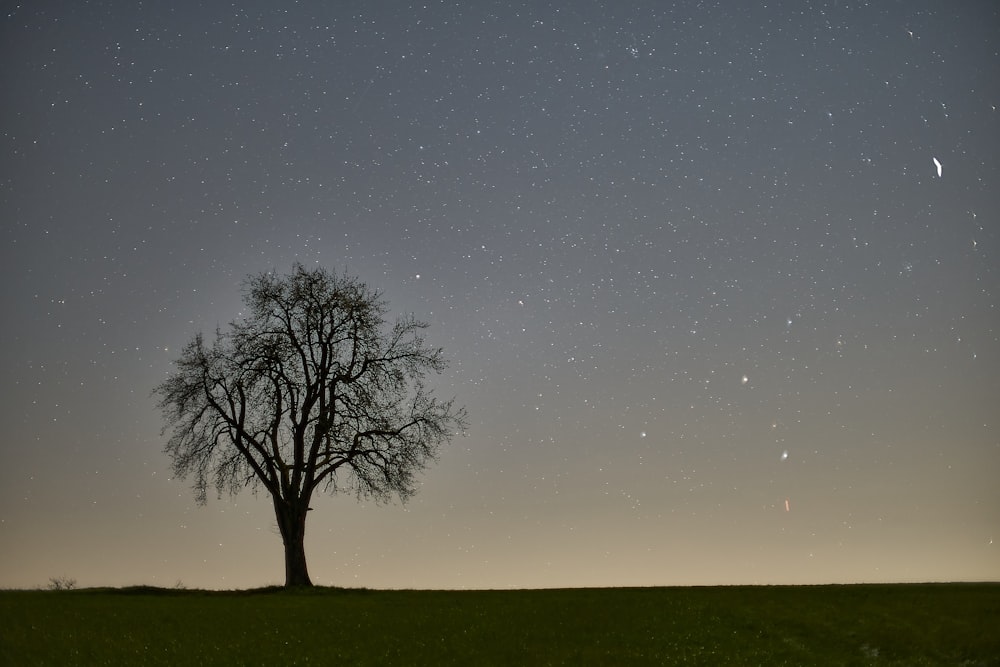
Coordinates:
column 900, row 624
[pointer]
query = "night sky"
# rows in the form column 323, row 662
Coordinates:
column 719, row 281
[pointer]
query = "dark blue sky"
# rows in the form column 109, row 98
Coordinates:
column 715, row 314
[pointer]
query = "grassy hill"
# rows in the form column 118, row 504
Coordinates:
column 899, row 624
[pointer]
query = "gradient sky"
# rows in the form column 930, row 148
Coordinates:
column 715, row 314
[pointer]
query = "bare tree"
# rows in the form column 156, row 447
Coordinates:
column 311, row 390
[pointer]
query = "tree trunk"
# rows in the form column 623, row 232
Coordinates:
column 292, row 524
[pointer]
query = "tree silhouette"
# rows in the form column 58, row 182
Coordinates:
column 311, row 390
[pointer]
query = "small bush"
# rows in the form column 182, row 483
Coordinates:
column 61, row 584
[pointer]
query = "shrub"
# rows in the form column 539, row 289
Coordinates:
column 61, row 584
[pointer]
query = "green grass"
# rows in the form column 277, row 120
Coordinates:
column 900, row 624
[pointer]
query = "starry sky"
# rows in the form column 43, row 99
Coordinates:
column 718, row 281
